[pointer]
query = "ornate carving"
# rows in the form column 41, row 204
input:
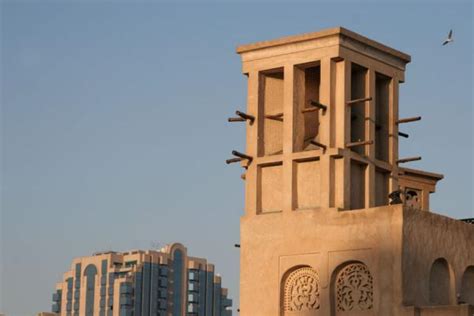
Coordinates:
column 354, row 288
column 301, row 291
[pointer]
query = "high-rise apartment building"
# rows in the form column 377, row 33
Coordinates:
column 141, row 283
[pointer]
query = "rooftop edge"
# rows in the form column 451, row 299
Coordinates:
column 320, row 34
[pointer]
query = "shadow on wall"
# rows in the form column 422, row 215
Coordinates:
column 467, row 286
column 441, row 282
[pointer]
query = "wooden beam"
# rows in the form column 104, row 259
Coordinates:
column 309, row 110
column 318, row 105
column 236, row 119
column 408, row 120
column 232, row 160
column 276, row 117
column 361, row 143
column 318, row 144
column 408, row 159
column 355, row 101
column 246, row 116
column 241, row 155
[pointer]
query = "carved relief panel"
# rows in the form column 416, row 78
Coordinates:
column 354, row 288
column 301, row 291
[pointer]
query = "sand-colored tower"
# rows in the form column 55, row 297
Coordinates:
column 318, row 236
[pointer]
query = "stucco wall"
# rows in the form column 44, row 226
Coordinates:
column 272, row 244
column 427, row 237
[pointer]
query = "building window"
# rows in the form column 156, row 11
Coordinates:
column 90, row 273
column 178, row 274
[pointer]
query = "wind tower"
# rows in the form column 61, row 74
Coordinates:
column 321, row 161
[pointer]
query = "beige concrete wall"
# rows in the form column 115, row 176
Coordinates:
column 273, row 244
column 427, row 237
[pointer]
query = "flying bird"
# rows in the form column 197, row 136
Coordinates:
column 449, row 39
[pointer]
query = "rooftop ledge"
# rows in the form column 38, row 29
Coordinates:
column 321, row 34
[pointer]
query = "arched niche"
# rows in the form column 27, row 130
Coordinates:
column 440, row 283
column 467, row 286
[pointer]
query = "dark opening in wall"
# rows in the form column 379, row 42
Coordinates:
column 358, row 113
column 271, row 93
column 382, row 85
column 381, row 187
column 306, row 94
column 440, row 282
column 467, row 286
column 413, row 198
column 357, row 185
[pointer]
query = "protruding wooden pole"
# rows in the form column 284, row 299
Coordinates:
column 318, row 105
column 403, row 134
column 361, row 143
column 241, row 155
column 276, row 117
column 242, row 117
column 232, row 160
column 246, row 116
column 236, row 119
column 408, row 159
column 307, row 110
column 318, row 144
column 408, row 120
column 355, row 101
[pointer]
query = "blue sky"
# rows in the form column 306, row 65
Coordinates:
column 114, row 130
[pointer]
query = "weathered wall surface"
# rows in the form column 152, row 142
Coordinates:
column 426, row 238
column 272, row 244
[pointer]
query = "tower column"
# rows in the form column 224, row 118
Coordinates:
column 393, row 133
column 289, row 122
column 253, row 132
column 370, row 135
column 326, row 119
column 342, row 130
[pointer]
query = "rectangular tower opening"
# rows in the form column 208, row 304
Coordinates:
column 382, row 88
column 271, row 109
column 358, row 115
column 381, row 187
column 306, row 97
column 357, row 185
